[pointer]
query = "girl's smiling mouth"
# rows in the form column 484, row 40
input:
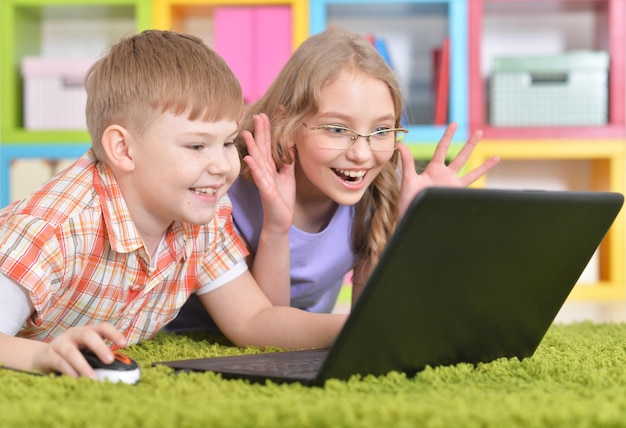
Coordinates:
column 350, row 175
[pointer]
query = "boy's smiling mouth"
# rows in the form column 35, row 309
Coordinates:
column 204, row 191
column 349, row 175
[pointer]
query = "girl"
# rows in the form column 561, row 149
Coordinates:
column 326, row 196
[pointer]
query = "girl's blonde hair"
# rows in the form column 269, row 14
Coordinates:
column 147, row 74
column 294, row 96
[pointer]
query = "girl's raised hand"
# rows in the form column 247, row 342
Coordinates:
column 276, row 188
column 437, row 173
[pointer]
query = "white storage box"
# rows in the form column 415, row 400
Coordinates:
column 54, row 94
column 570, row 89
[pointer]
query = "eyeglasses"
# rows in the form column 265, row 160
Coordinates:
column 341, row 138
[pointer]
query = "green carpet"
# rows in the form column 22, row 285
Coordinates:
column 577, row 378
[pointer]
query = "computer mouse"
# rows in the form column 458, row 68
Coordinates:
column 122, row 369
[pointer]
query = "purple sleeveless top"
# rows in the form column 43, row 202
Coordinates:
column 319, row 261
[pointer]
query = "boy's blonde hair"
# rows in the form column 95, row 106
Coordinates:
column 294, row 96
column 153, row 72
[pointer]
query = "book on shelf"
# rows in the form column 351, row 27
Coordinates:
column 441, row 82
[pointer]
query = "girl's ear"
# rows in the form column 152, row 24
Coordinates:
column 280, row 114
column 281, row 110
column 115, row 142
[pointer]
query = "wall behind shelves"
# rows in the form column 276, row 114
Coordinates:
column 27, row 174
column 63, row 35
column 544, row 174
column 507, row 34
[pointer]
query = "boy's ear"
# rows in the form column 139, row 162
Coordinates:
column 115, row 142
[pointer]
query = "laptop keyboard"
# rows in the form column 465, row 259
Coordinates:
column 281, row 367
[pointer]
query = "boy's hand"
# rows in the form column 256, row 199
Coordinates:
column 437, row 173
column 63, row 354
column 276, row 188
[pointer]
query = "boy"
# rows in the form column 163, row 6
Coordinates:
column 111, row 248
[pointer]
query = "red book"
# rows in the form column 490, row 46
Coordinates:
column 441, row 80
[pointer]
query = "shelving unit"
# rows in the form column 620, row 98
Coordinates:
column 478, row 31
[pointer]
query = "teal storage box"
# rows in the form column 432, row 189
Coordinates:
column 569, row 89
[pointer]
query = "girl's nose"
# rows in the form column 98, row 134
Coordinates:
column 359, row 151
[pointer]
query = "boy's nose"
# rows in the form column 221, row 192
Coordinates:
column 220, row 164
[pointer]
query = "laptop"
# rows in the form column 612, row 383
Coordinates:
column 470, row 275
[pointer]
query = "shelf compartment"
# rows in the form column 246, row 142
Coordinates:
column 195, row 15
column 65, row 28
column 10, row 153
column 255, row 37
column 604, row 171
column 411, row 30
column 528, row 27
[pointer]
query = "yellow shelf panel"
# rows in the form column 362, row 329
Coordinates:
column 601, row 291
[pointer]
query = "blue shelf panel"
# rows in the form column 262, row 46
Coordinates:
column 429, row 134
column 10, row 152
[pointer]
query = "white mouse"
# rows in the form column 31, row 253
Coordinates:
column 122, row 369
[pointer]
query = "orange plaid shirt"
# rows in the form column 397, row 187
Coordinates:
column 73, row 245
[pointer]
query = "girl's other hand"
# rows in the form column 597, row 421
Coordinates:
column 437, row 173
